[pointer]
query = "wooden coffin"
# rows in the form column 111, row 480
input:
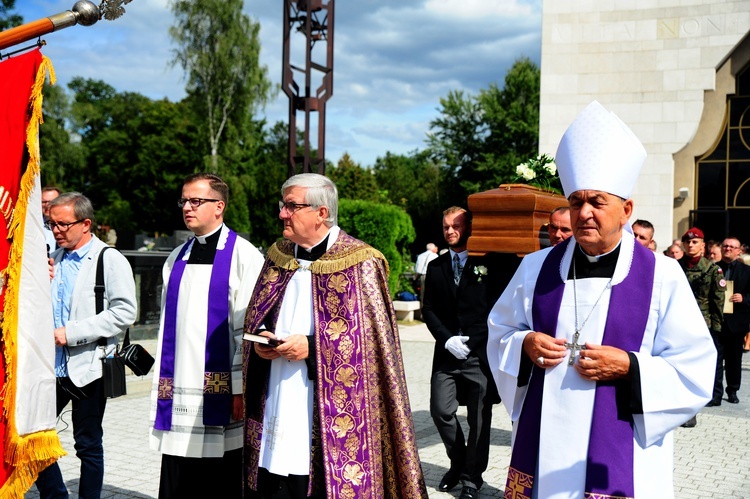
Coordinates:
column 511, row 219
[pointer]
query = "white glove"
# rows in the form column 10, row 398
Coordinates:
column 457, row 346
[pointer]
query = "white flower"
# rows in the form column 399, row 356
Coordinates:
column 525, row 171
column 480, row 271
column 551, row 168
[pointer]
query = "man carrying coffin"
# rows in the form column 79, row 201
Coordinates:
column 597, row 346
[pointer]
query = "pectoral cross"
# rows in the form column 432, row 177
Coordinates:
column 274, row 434
column 574, row 348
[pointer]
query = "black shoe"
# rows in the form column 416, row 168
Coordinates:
column 468, row 493
column 714, row 403
column 732, row 398
column 690, row 423
column 450, row 480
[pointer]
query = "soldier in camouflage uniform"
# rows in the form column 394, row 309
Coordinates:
column 708, row 285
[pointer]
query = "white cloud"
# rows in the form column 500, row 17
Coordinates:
column 477, row 9
column 393, row 60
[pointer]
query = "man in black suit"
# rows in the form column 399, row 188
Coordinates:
column 735, row 324
column 460, row 291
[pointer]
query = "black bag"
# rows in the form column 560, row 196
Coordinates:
column 135, row 356
column 113, row 376
column 113, row 368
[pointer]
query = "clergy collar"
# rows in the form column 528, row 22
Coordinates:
column 594, row 266
column 594, row 259
column 319, row 249
column 204, row 252
column 202, row 239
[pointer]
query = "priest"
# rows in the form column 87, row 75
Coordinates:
column 597, row 346
column 327, row 410
column 196, row 400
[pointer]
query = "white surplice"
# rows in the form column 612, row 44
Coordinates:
column 677, row 360
column 188, row 436
column 287, row 417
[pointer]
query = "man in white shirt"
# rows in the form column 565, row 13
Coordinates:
column 420, row 268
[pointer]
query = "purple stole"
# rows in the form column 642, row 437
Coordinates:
column 217, row 390
column 609, row 469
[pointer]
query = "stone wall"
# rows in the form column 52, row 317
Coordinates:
column 650, row 62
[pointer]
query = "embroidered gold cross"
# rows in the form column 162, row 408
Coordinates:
column 214, row 383
column 518, row 485
column 166, row 388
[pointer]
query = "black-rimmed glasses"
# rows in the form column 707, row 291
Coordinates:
column 62, row 227
column 195, row 202
column 292, row 207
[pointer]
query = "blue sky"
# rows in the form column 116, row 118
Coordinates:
column 393, row 59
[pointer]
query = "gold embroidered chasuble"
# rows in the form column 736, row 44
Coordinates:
column 363, row 434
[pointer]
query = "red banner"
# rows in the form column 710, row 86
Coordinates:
column 27, row 423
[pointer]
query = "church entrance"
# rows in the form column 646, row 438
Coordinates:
column 723, row 173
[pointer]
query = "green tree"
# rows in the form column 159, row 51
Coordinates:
column 8, row 20
column 136, row 153
column 481, row 139
column 384, row 227
column 267, row 173
column 413, row 182
column 62, row 158
column 512, row 116
column 458, row 139
column 219, row 47
column 353, row 181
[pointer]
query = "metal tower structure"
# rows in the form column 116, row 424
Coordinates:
column 314, row 84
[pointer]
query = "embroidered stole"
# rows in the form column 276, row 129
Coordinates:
column 609, row 468
column 217, row 392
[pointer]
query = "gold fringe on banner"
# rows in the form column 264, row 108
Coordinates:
column 29, row 454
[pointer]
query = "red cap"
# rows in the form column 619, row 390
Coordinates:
column 693, row 233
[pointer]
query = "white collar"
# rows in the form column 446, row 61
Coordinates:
column 202, row 239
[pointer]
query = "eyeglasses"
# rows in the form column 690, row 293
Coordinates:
column 195, row 202
column 729, row 247
column 61, row 226
column 292, row 207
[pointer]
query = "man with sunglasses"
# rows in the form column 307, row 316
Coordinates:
column 196, row 405
column 78, row 329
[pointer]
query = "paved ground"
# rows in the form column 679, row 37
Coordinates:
column 711, row 459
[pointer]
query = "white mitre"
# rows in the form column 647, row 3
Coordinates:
column 599, row 152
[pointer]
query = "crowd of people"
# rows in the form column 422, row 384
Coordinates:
column 281, row 375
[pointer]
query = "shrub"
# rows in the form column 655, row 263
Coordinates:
column 386, row 228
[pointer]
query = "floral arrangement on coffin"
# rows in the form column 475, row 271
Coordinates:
column 540, row 172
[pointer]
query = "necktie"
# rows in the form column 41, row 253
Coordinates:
column 456, row 269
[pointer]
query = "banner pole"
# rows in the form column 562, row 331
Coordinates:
column 83, row 12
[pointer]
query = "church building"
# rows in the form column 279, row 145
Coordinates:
column 677, row 72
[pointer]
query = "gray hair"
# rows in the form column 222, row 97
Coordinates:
column 321, row 191
column 82, row 207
